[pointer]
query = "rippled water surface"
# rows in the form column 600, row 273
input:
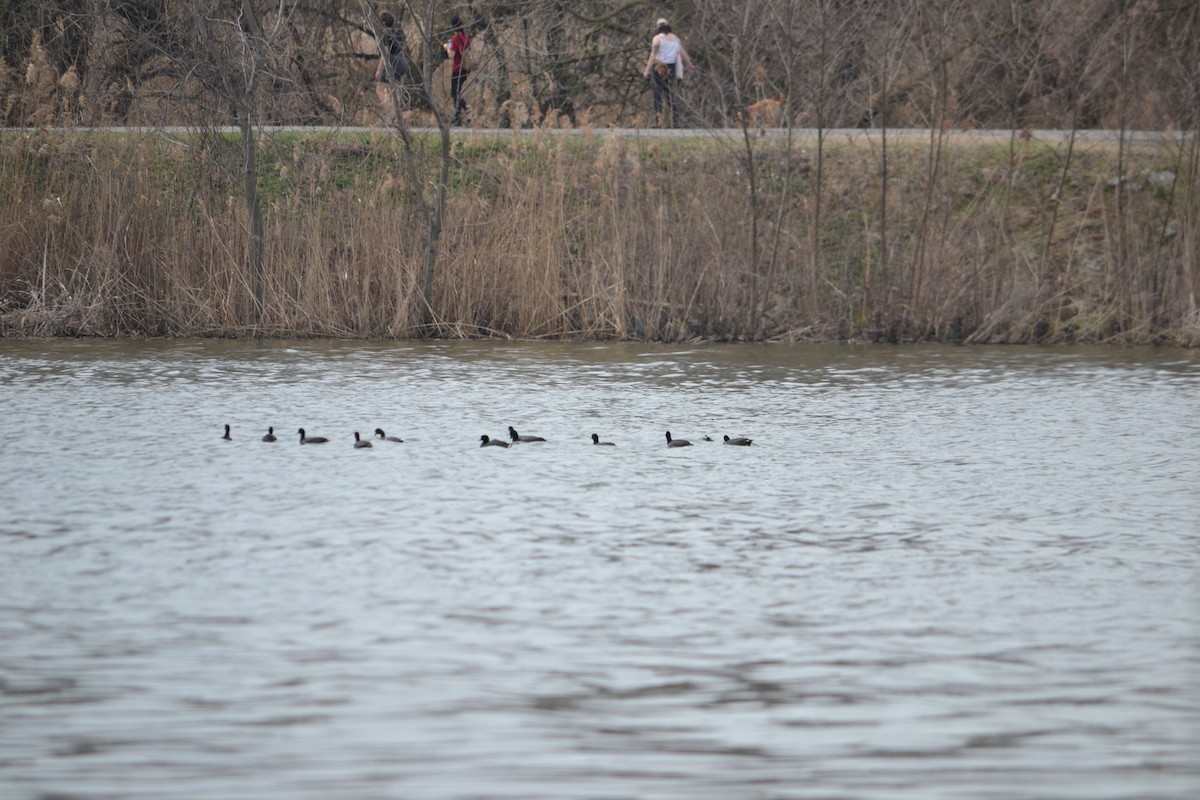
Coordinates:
column 937, row 573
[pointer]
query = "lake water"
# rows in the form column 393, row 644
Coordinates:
column 937, row 573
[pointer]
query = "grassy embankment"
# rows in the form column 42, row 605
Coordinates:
column 594, row 236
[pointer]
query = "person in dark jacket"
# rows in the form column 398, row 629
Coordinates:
column 393, row 65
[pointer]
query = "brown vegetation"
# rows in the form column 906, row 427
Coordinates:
column 599, row 236
column 838, row 63
column 880, row 236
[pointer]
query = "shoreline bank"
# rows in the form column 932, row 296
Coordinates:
column 970, row 237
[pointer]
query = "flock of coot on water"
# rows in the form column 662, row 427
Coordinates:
column 484, row 440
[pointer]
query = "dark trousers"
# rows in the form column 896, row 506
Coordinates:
column 460, row 105
column 664, row 96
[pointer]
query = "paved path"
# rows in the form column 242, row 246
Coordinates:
column 801, row 134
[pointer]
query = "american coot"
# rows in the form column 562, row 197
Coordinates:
column 227, row 437
column 360, row 442
column 379, row 432
column 270, row 435
column 516, row 437
column 741, row 441
column 677, row 442
column 487, row 441
column 306, row 439
column 596, row 440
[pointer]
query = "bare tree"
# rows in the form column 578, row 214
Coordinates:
column 233, row 50
column 821, row 36
column 936, row 45
column 1181, row 33
column 578, row 58
column 430, row 193
column 739, row 37
column 237, row 53
column 892, row 29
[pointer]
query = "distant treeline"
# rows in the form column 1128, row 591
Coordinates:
column 941, row 237
column 1017, row 64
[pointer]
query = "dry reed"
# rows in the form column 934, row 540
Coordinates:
column 596, row 236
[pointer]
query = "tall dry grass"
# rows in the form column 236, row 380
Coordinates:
column 602, row 237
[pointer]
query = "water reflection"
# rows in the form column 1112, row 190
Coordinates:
column 938, row 572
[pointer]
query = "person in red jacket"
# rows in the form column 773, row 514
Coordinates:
column 458, row 45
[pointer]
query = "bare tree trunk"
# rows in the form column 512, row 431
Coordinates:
column 895, row 40
column 936, row 64
column 1124, row 255
column 783, row 24
column 1186, row 65
column 232, row 61
column 436, row 211
column 257, row 44
column 1056, row 199
column 430, row 202
column 254, row 246
column 741, row 40
column 820, row 104
column 1189, row 232
column 436, row 217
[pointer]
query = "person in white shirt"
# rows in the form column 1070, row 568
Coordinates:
column 665, row 68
